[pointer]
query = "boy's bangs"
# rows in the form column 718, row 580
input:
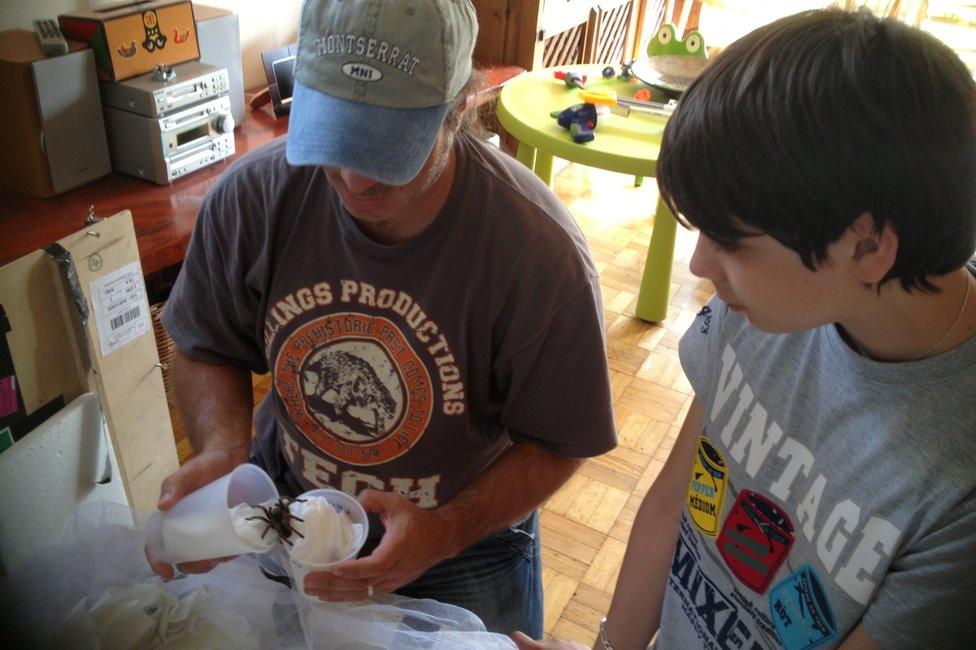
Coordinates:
column 705, row 187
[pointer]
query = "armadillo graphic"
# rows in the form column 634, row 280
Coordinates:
column 343, row 380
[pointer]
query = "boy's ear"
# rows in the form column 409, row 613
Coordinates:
column 872, row 252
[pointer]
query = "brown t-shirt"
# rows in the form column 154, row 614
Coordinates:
column 407, row 367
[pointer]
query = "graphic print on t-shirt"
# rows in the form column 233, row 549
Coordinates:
column 352, row 389
column 354, row 386
column 756, row 538
column 721, row 615
column 706, row 492
column 801, row 611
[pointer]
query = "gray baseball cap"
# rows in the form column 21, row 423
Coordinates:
column 374, row 80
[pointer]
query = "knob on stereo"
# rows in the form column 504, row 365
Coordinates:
column 224, row 123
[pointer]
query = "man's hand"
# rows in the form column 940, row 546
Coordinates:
column 525, row 643
column 197, row 472
column 415, row 540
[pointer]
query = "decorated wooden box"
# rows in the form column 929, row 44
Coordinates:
column 134, row 39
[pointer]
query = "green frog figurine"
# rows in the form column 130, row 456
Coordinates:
column 673, row 64
column 666, row 42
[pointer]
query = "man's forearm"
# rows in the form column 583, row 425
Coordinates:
column 511, row 488
column 215, row 404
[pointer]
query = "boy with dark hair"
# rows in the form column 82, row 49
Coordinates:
column 821, row 491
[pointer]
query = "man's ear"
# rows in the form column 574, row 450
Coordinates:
column 469, row 100
column 872, row 252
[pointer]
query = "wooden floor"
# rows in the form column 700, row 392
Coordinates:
column 586, row 524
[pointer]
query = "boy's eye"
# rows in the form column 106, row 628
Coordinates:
column 726, row 247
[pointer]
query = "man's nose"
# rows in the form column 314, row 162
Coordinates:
column 356, row 182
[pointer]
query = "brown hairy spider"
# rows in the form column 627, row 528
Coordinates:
column 279, row 518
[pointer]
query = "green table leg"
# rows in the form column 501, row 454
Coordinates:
column 526, row 155
column 538, row 161
column 543, row 166
column 655, row 288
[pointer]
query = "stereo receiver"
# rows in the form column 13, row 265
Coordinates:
column 166, row 89
column 164, row 148
column 169, row 122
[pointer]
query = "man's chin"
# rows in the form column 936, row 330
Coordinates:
column 367, row 208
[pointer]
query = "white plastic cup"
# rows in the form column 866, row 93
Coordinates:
column 199, row 526
column 342, row 502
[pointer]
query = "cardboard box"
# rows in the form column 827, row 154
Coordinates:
column 134, row 39
column 59, row 356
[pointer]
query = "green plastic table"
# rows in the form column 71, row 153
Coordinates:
column 628, row 145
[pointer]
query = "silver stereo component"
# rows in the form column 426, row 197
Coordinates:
column 162, row 149
column 165, row 90
column 169, row 122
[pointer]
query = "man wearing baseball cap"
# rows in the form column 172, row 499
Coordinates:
column 428, row 311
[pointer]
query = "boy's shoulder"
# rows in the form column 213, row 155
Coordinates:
column 817, row 367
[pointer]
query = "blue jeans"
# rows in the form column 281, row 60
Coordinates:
column 499, row 579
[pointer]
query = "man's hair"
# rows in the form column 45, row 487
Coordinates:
column 462, row 115
column 805, row 124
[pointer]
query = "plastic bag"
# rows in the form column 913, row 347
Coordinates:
column 389, row 621
column 148, row 615
column 396, row 622
column 96, row 590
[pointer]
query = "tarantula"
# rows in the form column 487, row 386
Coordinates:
column 279, row 518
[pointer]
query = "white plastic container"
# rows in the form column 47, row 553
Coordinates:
column 199, row 526
column 342, row 503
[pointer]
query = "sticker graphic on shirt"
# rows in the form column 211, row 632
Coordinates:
column 721, row 615
column 755, row 539
column 706, row 492
column 801, row 611
column 354, row 387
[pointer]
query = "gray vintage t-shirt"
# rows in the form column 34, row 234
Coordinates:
column 827, row 488
column 409, row 367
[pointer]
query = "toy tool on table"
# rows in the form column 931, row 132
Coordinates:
column 626, row 73
column 571, row 79
column 623, row 105
column 580, row 119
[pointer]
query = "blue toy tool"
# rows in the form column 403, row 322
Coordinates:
column 580, row 119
